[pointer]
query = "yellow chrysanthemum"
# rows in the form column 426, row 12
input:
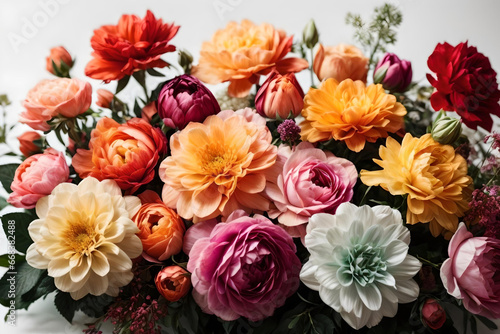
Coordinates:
column 219, row 166
column 85, row 237
column 351, row 112
column 432, row 175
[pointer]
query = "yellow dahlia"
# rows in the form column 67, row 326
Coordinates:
column 219, row 166
column 85, row 237
column 432, row 175
column 351, row 112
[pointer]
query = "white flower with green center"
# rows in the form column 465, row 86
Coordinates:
column 359, row 262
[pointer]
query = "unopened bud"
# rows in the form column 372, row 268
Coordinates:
column 185, row 60
column 446, row 130
column 310, row 34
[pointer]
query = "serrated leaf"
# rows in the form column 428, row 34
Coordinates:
column 65, row 305
column 18, row 235
column 122, row 83
column 7, row 175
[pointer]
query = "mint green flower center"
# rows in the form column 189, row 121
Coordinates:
column 362, row 264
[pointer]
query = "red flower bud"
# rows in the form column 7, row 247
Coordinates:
column 433, row 315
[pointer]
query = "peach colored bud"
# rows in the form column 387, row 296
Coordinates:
column 340, row 62
column 173, row 283
column 104, row 98
column 58, row 55
column 149, row 111
column 27, row 145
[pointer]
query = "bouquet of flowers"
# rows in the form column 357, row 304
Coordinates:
column 352, row 207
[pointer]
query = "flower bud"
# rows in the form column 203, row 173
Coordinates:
column 104, row 98
column 433, row 314
column 279, row 96
column 27, row 143
column 446, row 130
column 340, row 62
column 185, row 60
column 393, row 73
column 59, row 62
column 185, row 99
column 310, row 34
column 173, row 283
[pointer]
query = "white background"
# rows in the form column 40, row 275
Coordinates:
column 28, row 29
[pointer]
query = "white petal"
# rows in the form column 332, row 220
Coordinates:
column 406, row 269
column 79, row 272
column 407, row 291
column 307, row 276
column 327, row 276
column 374, row 319
column 133, row 204
column 348, row 295
column 58, row 267
column 320, row 220
column 100, row 264
column 395, row 252
column 35, row 259
column 370, row 295
column 330, row 297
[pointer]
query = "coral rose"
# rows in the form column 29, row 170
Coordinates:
column 218, row 166
column 432, row 175
column 465, row 83
column 350, row 112
column 340, row 62
column 27, row 145
column 472, row 272
column 60, row 59
column 241, row 53
column 162, row 229
column 133, row 44
column 49, row 98
column 36, row 177
column 173, row 283
column 245, row 267
column 126, row 153
column 308, row 181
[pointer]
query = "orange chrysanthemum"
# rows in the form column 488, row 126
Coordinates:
column 219, row 166
column 133, row 44
column 240, row 53
column 432, row 175
column 350, row 112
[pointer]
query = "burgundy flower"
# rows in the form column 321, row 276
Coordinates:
column 433, row 314
column 465, row 83
column 185, row 99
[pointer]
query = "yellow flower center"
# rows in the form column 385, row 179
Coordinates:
column 81, row 237
column 216, row 161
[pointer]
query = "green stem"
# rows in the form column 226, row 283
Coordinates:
column 311, row 67
column 437, row 266
column 370, row 62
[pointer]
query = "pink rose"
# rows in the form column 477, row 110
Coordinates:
column 471, row 272
column 244, row 267
column 36, row 177
column 308, row 181
column 49, row 98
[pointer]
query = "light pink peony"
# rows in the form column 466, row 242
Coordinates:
column 472, row 272
column 244, row 267
column 308, row 181
column 36, row 177
column 49, row 98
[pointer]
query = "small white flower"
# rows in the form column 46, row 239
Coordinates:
column 359, row 262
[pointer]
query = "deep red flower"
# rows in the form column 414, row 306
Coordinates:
column 465, row 83
column 132, row 45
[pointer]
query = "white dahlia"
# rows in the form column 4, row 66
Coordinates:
column 85, row 237
column 359, row 262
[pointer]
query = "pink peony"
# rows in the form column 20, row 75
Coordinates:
column 36, row 177
column 472, row 272
column 244, row 267
column 308, row 181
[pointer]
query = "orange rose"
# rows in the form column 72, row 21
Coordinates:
column 49, row 98
column 173, row 283
column 340, row 62
column 58, row 55
column 162, row 229
column 27, row 145
column 133, row 44
column 241, row 53
column 126, row 153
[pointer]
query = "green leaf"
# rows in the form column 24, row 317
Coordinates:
column 66, row 305
column 7, row 260
column 294, row 321
column 122, row 83
column 3, row 203
column 140, row 76
column 323, row 324
column 27, row 277
column 94, row 306
column 137, row 109
column 154, row 72
column 7, row 175
column 15, row 226
column 487, row 322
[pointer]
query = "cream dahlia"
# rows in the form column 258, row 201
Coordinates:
column 359, row 262
column 85, row 237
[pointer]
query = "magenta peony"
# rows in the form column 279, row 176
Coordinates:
column 308, row 181
column 472, row 272
column 185, row 99
column 244, row 267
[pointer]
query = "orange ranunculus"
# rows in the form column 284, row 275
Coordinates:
column 58, row 55
column 173, row 283
column 340, row 62
column 350, row 112
column 241, row 53
column 126, row 153
column 49, row 98
column 432, row 175
column 27, row 145
column 219, row 166
column 161, row 228
column 132, row 45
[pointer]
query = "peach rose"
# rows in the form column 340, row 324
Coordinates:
column 104, row 98
column 161, row 228
column 49, row 98
column 58, row 55
column 126, row 153
column 27, row 145
column 340, row 62
column 36, row 177
column 173, row 283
